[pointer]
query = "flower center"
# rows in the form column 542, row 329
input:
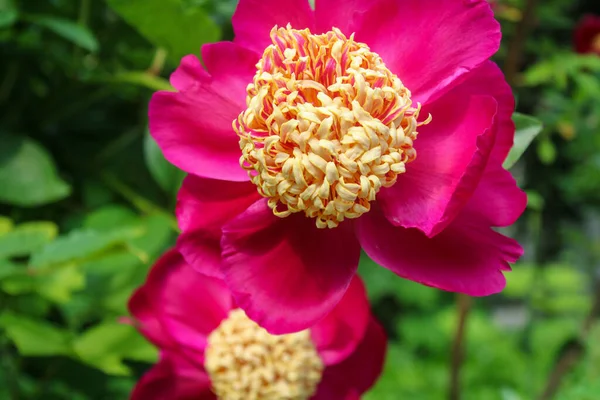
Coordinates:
column 327, row 126
column 245, row 362
column 596, row 43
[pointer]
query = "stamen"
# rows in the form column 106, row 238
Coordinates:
column 327, row 126
column 245, row 362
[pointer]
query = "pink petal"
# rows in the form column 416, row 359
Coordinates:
column 254, row 19
column 173, row 378
column 338, row 334
column 467, row 257
column 488, row 80
column 429, row 44
column 232, row 68
column 172, row 293
column 203, row 207
column 284, row 272
column 498, row 200
column 357, row 373
column 452, row 152
column 193, row 126
column 189, row 74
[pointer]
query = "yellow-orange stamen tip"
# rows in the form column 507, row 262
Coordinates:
column 327, row 126
column 245, row 362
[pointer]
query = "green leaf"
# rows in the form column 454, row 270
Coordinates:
column 546, row 151
column 164, row 173
column 35, row 337
column 27, row 238
column 60, row 285
column 144, row 79
column 110, row 217
column 28, row 176
column 8, row 268
column 527, row 128
column 6, row 225
column 8, row 13
column 81, row 244
column 168, row 24
column 78, row 34
column 106, row 345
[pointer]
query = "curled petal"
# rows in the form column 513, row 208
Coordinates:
column 429, row 44
column 337, row 335
column 284, row 272
column 356, row 374
column 467, row 257
column 452, row 154
column 173, row 378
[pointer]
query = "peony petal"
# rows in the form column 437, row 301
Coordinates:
column 338, row 334
column 189, row 74
column 488, row 80
column 203, row 207
column 452, row 153
column 429, row 44
column 232, row 68
column 467, row 257
column 173, row 378
column 173, row 292
column 254, row 19
column 357, row 373
column 284, row 272
column 498, row 200
column 193, row 126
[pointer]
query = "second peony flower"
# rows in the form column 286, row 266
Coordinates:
column 379, row 125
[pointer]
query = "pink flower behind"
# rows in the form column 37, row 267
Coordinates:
column 587, row 35
column 379, row 125
column 192, row 318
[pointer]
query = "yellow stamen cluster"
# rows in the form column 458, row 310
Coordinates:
column 327, row 126
column 245, row 362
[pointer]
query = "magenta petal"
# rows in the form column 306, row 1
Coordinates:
column 232, row 68
column 357, row 373
column 254, row 19
column 189, row 74
column 173, row 378
column 284, row 272
column 467, row 257
column 203, row 207
column 498, row 200
column 338, row 334
column 488, row 80
column 429, row 44
column 452, row 153
column 193, row 127
column 171, row 294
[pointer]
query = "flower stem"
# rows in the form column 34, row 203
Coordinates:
column 463, row 307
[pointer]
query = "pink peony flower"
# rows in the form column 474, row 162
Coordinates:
column 379, row 125
column 209, row 349
column 587, row 35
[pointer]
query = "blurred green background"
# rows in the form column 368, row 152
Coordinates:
column 86, row 205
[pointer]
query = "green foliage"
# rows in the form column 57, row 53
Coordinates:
column 527, row 128
column 28, row 176
column 169, row 23
column 69, row 30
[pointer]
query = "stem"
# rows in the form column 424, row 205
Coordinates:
column 463, row 306
column 515, row 47
column 158, row 62
column 573, row 352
